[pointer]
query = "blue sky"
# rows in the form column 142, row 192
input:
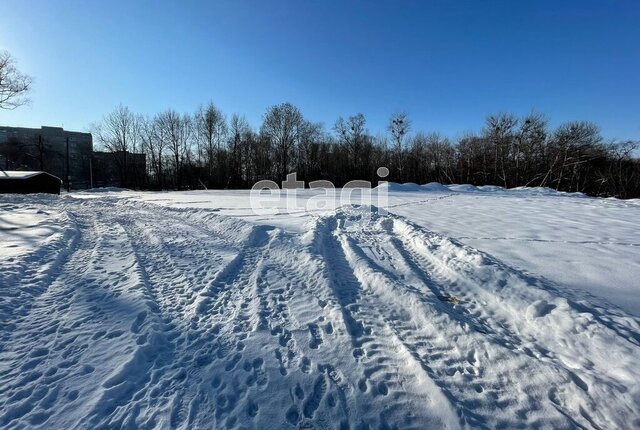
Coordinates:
column 446, row 63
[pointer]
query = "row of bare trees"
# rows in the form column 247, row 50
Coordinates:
column 209, row 149
column 513, row 152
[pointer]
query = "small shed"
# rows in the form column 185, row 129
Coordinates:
column 16, row 182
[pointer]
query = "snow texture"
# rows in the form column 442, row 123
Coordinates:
column 462, row 307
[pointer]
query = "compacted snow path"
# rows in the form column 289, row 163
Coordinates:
column 142, row 316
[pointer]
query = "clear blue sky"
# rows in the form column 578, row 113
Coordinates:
column 446, row 63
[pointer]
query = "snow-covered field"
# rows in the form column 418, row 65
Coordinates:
column 460, row 307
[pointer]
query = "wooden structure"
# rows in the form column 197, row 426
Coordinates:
column 17, row 182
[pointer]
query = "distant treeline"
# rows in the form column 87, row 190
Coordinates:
column 185, row 151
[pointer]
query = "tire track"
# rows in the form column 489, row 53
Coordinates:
column 376, row 346
column 179, row 318
column 381, row 262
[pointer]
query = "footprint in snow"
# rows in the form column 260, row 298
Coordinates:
column 316, row 337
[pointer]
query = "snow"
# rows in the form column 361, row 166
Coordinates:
column 12, row 174
column 460, row 306
column 580, row 244
column 104, row 190
column 412, row 187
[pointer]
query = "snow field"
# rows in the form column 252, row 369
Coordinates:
column 128, row 313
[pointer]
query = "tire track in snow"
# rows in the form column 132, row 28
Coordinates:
column 66, row 324
column 200, row 320
column 24, row 280
column 118, row 403
column 229, row 307
column 419, row 329
column 213, row 392
column 376, row 346
column 197, row 328
column 512, row 348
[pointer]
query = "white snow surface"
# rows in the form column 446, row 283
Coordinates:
column 13, row 174
column 461, row 306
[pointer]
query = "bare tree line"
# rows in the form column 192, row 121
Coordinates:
column 209, row 149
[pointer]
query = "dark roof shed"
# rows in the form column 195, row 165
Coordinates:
column 18, row 182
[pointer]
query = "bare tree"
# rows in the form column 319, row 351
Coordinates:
column 399, row 126
column 529, row 149
column 574, row 144
column 238, row 130
column 500, row 132
column 118, row 133
column 151, row 145
column 282, row 125
column 623, row 173
column 352, row 135
column 441, row 158
column 211, row 129
column 308, row 167
column 176, row 129
column 14, row 84
column 473, row 164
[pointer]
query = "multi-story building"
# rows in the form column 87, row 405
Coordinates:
column 69, row 155
column 62, row 153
